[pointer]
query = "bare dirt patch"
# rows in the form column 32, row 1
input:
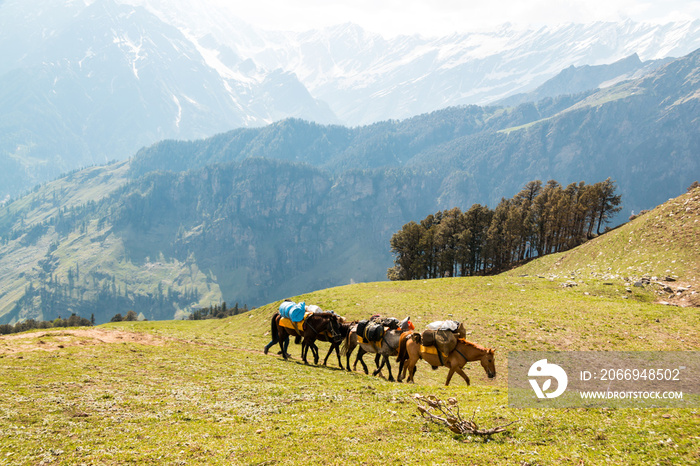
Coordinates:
column 56, row 339
column 682, row 294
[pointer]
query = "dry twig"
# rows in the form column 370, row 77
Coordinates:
column 435, row 410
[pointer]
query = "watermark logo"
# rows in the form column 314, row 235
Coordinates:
column 604, row 379
column 542, row 368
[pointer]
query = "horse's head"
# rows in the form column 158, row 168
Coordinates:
column 488, row 362
column 334, row 324
column 406, row 324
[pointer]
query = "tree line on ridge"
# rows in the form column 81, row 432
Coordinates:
column 539, row 220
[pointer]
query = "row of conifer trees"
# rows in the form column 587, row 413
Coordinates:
column 30, row 324
column 539, row 220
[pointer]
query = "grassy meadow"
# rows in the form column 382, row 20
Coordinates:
column 203, row 392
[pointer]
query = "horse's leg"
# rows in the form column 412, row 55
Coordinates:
column 463, row 374
column 336, row 346
column 304, row 350
column 330, row 350
column 348, row 352
column 337, row 353
column 411, row 366
column 269, row 345
column 388, row 367
column 281, row 340
column 449, row 376
column 379, row 366
column 405, row 368
column 274, row 333
column 314, row 350
column 360, row 352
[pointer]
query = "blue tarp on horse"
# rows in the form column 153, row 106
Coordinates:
column 293, row 311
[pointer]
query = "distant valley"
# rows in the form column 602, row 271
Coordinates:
column 258, row 214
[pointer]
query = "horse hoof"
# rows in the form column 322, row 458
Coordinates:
column 265, row 350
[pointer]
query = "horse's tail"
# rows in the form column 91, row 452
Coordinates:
column 346, row 344
column 403, row 340
column 273, row 328
column 403, row 354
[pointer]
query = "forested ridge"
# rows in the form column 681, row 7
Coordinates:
column 538, row 220
column 256, row 215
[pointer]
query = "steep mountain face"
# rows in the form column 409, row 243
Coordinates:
column 112, row 79
column 642, row 133
column 575, row 80
column 406, row 76
column 85, row 82
column 259, row 214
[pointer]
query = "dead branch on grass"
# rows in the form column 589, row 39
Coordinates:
column 447, row 413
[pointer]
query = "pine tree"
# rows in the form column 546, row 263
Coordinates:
column 608, row 203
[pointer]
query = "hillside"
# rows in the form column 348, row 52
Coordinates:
column 659, row 246
column 253, row 215
column 202, row 391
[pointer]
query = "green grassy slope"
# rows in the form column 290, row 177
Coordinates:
column 202, row 392
column 658, row 244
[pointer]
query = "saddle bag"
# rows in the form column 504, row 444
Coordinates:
column 293, row 311
column 444, row 340
column 361, row 326
column 374, row 331
column 427, row 338
column 391, row 322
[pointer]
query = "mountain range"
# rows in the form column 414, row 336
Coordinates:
column 83, row 83
column 254, row 215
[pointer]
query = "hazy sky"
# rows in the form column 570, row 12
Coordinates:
column 440, row 17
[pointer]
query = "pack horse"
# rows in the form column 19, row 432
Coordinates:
column 307, row 324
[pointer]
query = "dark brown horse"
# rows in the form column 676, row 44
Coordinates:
column 334, row 339
column 324, row 324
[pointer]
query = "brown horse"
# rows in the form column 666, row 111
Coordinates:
column 410, row 351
